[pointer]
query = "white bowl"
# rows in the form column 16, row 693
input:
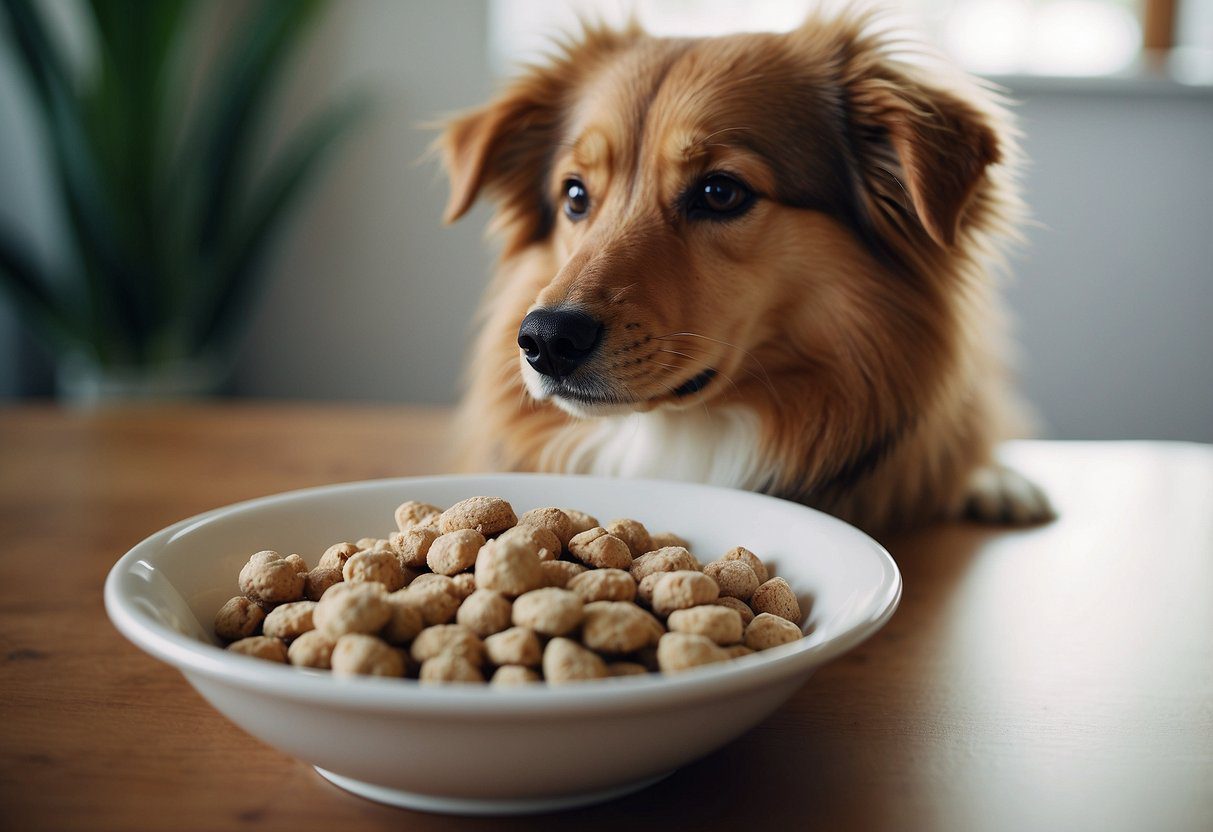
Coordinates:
column 476, row 750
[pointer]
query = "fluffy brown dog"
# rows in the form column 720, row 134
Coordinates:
column 762, row 260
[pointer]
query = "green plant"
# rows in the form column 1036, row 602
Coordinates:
column 169, row 208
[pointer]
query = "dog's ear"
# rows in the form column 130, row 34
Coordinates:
column 504, row 147
column 919, row 141
column 502, row 144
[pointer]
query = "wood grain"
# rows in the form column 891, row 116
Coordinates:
column 1051, row 678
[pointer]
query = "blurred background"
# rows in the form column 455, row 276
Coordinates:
column 229, row 198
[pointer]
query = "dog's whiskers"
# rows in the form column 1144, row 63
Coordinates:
column 765, row 379
column 674, row 390
column 620, row 293
column 676, row 352
column 703, row 142
column 720, row 373
column 905, row 192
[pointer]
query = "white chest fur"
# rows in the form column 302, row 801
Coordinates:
column 720, row 447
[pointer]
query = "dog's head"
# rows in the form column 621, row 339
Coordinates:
column 705, row 214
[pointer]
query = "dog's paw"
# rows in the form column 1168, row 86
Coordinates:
column 1001, row 495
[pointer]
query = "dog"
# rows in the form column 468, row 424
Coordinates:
column 765, row 261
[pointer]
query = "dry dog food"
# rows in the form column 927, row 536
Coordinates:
column 475, row 593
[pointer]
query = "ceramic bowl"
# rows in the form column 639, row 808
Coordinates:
column 473, row 749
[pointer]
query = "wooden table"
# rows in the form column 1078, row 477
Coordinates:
column 1058, row 678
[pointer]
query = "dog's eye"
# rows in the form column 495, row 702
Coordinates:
column 719, row 197
column 576, row 199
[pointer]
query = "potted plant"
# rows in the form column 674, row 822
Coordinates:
column 169, row 209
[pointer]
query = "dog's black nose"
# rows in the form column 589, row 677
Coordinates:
column 557, row 341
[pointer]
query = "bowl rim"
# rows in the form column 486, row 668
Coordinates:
column 191, row 656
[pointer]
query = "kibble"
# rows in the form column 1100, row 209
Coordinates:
column 581, row 522
column 721, row 624
column 352, row 608
column 487, row 515
column 455, row 551
column 412, row 514
column 272, row 579
column 767, row 631
column 735, row 578
column 510, row 567
column 514, row 674
column 447, row 638
column 517, row 645
column 290, row 621
column 742, row 608
column 626, row 669
column 475, row 592
column 375, row 566
column 559, row 573
column 644, row 589
column 548, row 611
column 618, row 627
column 600, row 549
column 677, row 652
column 682, row 589
column 669, row 559
column 633, row 533
column 553, row 519
column 261, row 647
column 542, row 541
column 485, row 612
column 603, row 585
column 312, row 649
column 413, row 546
column 446, row 668
column 437, row 600
column 407, row 617
column 750, row 559
column 444, row 582
column 318, row 581
column 239, row 618
column 662, row 540
column 357, row 654
column 777, row 598
column 567, row 661
column 736, row 651
column 462, row 585
column 335, row 556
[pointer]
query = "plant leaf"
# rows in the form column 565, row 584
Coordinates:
column 49, row 78
column 235, row 103
column 137, row 38
column 239, row 265
column 125, row 121
column 23, row 282
column 103, row 265
column 38, row 57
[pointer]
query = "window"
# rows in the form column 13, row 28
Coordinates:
column 1001, row 37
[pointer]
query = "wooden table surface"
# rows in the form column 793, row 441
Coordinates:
column 1057, row 678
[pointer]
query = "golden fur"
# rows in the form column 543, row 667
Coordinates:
column 852, row 309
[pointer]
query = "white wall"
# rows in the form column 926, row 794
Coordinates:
column 372, row 298
column 1114, row 295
